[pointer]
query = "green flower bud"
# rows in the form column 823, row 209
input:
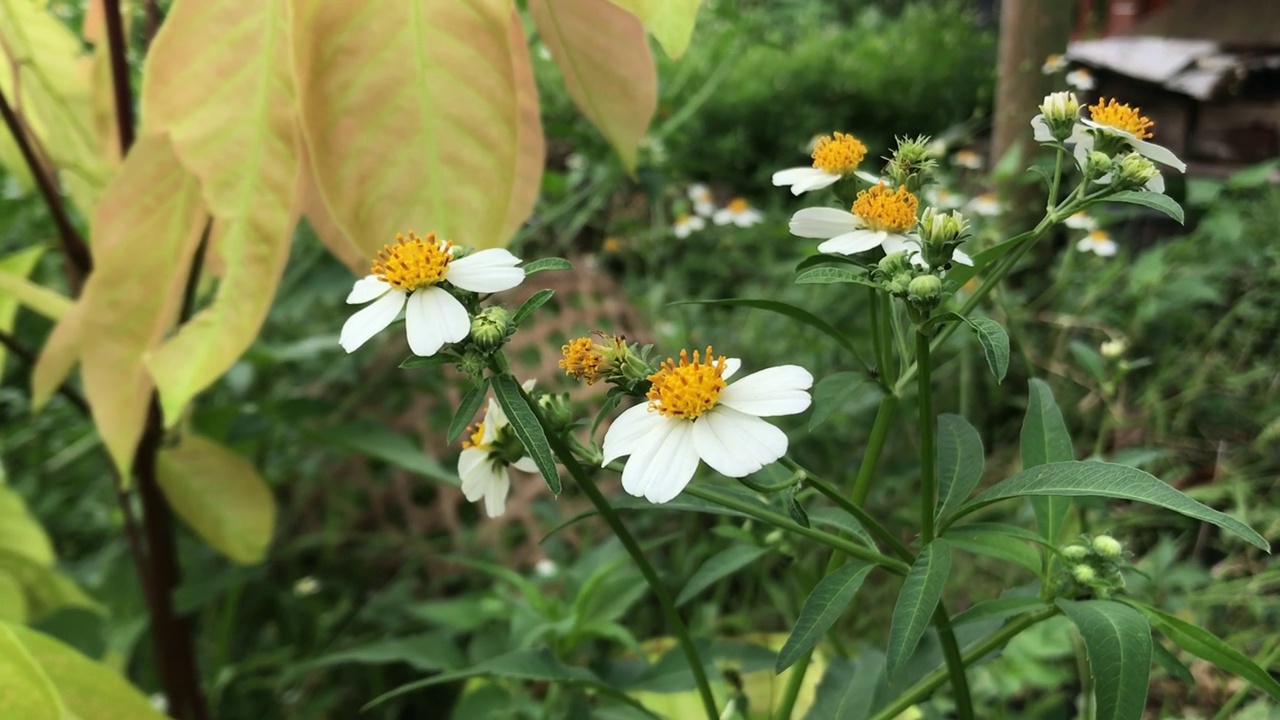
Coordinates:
column 894, row 263
column 472, row 364
column 1075, row 553
column 1136, row 171
column 1083, row 574
column 461, row 251
column 490, row 328
column 911, row 162
column 900, row 284
column 1059, row 112
column 926, row 288
column 555, row 408
column 1097, row 164
column 1107, row 547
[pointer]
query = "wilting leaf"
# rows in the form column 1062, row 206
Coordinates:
column 420, row 112
column 603, row 55
column 25, row 690
column 218, row 82
column 220, row 495
column 670, row 21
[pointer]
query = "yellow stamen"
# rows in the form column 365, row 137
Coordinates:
column 581, row 360
column 413, row 262
column 888, row 210
column 838, row 153
column 739, row 205
column 1121, row 117
column 688, row 389
column 477, row 437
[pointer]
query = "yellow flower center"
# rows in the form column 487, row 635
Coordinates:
column 1098, row 236
column 888, row 210
column 1121, row 117
column 738, row 205
column 413, row 262
column 838, row 153
column 477, row 437
column 688, row 389
column 581, row 360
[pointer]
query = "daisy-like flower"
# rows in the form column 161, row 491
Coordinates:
column 943, row 199
column 739, row 212
column 1116, row 122
column 1054, row 64
column 694, row 415
column 1081, row 221
column 986, row 204
column 1080, row 79
column 704, row 203
column 834, row 156
column 491, row 449
column 967, row 158
column 880, row 218
column 1097, row 242
column 686, row 225
column 407, row 276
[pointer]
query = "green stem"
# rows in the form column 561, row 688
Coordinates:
column 792, row 691
column 875, row 445
column 878, row 344
column 955, row 664
column 934, row 680
column 1057, row 181
column 858, row 513
column 928, row 478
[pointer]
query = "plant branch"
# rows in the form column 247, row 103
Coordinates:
column 875, row 445
column 118, row 51
column 928, row 478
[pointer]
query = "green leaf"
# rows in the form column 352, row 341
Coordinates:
column 841, row 520
column 1254, row 176
column 1001, row 547
column 670, row 21
column 1088, row 359
column 467, row 409
column 1206, row 646
column 995, row 343
column 527, row 428
column 998, row 608
column 551, row 263
column 821, row 609
column 382, row 443
column 848, row 688
column 819, row 260
column 534, row 302
column 1153, row 200
column 45, row 589
column 1099, row 479
column 831, row 393
column 831, row 275
column 1117, row 639
column 961, row 459
column 998, row 528
column 718, row 566
column 417, row 361
column 1045, row 440
column 795, row 509
column 20, row 532
column 781, row 308
column 25, row 691
column 1172, row 664
column 958, row 275
column 428, row 652
column 919, row 597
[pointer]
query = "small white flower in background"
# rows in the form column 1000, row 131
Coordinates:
column 1081, row 221
column 879, row 218
column 937, row 148
column 577, row 162
column 159, row 702
column 306, row 587
column 943, row 199
column 739, row 212
column 545, row 568
column 834, row 156
column 686, row 225
column 1113, row 348
column 407, row 277
column 986, row 204
column 544, row 52
column 485, row 457
column 967, row 158
column 1097, row 242
column 1054, row 64
column 1080, row 79
column 704, row 203
column 657, row 149
column 1118, row 122
column 694, row 415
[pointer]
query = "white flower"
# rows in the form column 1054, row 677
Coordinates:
column 704, row 203
column 1080, row 79
column 407, row 277
column 1097, row 242
column 967, row 158
column 545, row 568
column 485, row 458
column 1081, row 221
column 694, row 415
column 686, row 225
column 1120, row 122
column 1113, row 348
column 306, row 587
column 575, row 162
column 986, row 204
column 943, row 199
column 1054, row 64
column 834, row 156
column 880, row 218
column 738, row 212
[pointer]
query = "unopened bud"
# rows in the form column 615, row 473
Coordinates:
column 1060, row 111
column 1107, row 547
column 941, row 228
column 490, row 328
column 893, row 263
column 555, row 408
column 1075, row 553
column 925, row 288
column 910, row 163
column 1097, row 164
column 1083, row 574
column 1136, row 171
column 1112, row 348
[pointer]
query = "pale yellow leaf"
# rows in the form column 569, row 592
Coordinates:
column 670, row 21
column 13, row 600
column 60, row 353
column 323, row 224
column 415, row 117
column 90, row 690
column 16, row 266
column 220, row 496
column 26, row 692
column 531, row 145
column 20, row 532
column 101, row 84
column 603, row 54
column 218, row 81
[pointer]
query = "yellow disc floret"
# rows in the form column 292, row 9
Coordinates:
column 1121, row 117
column 688, row 389
column 413, row 262
column 888, row 210
column 838, row 153
column 477, row 437
column 738, row 205
column 581, row 360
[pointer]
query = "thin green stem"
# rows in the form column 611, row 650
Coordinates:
column 955, row 664
column 875, row 445
column 879, row 350
column 1057, row 180
column 863, row 518
column 796, row 680
column 928, row 477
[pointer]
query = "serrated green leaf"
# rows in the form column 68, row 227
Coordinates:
column 818, row 260
column 841, row 520
column 919, row 598
column 994, row 341
column 830, row 275
column 717, row 567
column 542, row 264
column 1045, row 439
column 998, row 609
column 820, row 611
column 795, row 509
column 961, row 459
column 534, row 302
column 1153, row 200
column 791, row 311
column 831, row 393
column 1099, row 479
column 527, row 428
column 466, row 410
column 1117, row 639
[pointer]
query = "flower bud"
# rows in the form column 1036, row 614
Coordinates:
column 1075, row 553
column 894, row 263
column 1097, row 164
column 1060, row 111
column 1112, row 348
column 1107, row 547
column 926, row 288
column 1136, row 171
column 899, row 284
column 911, row 162
column 490, row 328
column 941, row 230
column 472, row 364
column 1083, row 574
column 555, row 408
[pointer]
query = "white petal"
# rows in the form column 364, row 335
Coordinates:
column 961, row 257
column 701, row 210
column 791, row 176
column 814, row 182
column 682, row 230
column 1084, row 245
column 867, row 177
column 370, row 320
column 473, row 469
column 494, row 420
column 433, row 318
column 525, row 464
column 731, row 366
column 1159, row 154
column 698, row 223
column 1156, row 184
column 821, row 222
column 773, row 391
column 628, row 431
column 909, row 244
column 1105, row 248
column 495, row 497
column 748, row 217
column 367, row 289
column 736, row 444
column 723, row 216
column 1040, row 129
column 853, row 242
column 486, row 271
column 664, row 464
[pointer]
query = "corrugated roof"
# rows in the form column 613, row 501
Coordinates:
column 1253, row 24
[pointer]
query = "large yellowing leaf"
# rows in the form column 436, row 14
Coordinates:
column 322, row 223
column 146, row 231
column 14, row 269
column 60, row 353
column 218, row 81
column 90, row 690
column 221, row 496
column 670, row 21
column 415, row 115
column 603, row 54
column 531, row 146
column 25, row 690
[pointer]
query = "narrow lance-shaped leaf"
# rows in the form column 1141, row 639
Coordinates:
column 920, row 595
column 527, row 428
column 994, row 341
column 670, row 21
column 717, row 567
column 534, row 302
column 961, row 458
column 466, row 410
column 820, row 611
column 1045, row 439
column 1117, row 640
